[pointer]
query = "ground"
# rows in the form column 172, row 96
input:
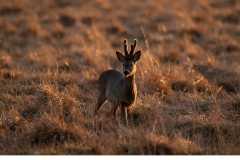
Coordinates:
column 188, row 77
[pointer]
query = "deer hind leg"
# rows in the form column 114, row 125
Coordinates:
column 114, row 111
column 124, row 110
column 100, row 102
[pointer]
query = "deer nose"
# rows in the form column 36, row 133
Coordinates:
column 126, row 73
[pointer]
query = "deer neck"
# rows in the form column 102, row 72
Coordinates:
column 130, row 89
column 129, row 81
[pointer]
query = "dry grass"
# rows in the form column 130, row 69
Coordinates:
column 52, row 52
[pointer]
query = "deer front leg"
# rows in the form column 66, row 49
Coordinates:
column 124, row 109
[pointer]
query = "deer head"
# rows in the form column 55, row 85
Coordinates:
column 129, row 59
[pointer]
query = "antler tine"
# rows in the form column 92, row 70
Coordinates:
column 135, row 43
column 133, row 47
column 125, row 47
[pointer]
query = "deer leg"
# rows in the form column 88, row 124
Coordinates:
column 114, row 111
column 100, row 102
column 124, row 110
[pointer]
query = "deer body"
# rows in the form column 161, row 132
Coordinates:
column 119, row 89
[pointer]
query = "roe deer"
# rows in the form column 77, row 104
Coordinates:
column 119, row 89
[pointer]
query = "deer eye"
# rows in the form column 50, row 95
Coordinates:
column 131, row 64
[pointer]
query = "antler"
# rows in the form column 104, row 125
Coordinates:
column 125, row 47
column 133, row 47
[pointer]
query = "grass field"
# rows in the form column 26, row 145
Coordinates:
column 188, row 77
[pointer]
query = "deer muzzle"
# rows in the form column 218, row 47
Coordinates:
column 126, row 73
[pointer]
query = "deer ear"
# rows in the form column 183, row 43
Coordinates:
column 137, row 55
column 120, row 56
